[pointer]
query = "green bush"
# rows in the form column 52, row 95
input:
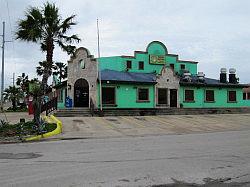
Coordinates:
column 23, row 129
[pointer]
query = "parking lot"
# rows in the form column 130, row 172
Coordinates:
column 122, row 126
column 94, row 127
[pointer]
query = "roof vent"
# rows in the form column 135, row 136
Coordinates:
column 232, row 76
column 201, row 76
column 223, row 70
column 232, row 70
column 223, row 75
column 187, row 76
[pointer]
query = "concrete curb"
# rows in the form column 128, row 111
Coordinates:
column 58, row 130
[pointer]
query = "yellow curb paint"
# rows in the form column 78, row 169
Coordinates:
column 49, row 119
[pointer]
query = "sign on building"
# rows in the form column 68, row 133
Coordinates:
column 157, row 59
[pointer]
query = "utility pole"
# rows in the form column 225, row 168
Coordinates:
column 98, row 65
column 2, row 85
column 3, row 44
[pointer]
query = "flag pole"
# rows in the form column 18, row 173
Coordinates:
column 98, row 65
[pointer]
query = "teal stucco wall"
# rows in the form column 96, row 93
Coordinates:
column 220, row 98
column 126, row 96
column 118, row 63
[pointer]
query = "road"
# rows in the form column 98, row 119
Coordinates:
column 128, row 161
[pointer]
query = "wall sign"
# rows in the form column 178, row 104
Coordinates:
column 156, row 59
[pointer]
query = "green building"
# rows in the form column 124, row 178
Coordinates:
column 152, row 78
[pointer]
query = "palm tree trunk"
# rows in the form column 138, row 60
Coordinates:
column 49, row 59
column 13, row 104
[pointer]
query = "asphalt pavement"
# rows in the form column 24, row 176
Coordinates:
column 159, row 160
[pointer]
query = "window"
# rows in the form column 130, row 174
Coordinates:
column 141, row 65
column 183, row 66
column 143, row 94
column 189, row 95
column 129, row 64
column 82, row 64
column 244, row 96
column 108, row 95
column 248, row 96
column 231, row 96
column 162, row 96
column 172, row 66
column 209, row 96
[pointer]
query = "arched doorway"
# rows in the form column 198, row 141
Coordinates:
column 81, row 93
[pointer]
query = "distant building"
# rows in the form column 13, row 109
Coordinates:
column 149, row 79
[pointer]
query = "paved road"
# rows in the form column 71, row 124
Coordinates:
column 128, row 161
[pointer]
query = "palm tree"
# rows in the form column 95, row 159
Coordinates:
column 23, row 82
column 46, row 27
column 61, row 70
column 40, row 70
column 13, row 94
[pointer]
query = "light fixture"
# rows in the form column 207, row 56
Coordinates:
column 69, row 87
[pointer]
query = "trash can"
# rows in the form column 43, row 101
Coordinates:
column 30, row 105
column 30, row 108
column 68, row 102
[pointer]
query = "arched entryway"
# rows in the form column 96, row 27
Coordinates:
column 81, row 93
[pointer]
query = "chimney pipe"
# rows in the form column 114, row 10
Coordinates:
column 223, row 75
column 232, row 76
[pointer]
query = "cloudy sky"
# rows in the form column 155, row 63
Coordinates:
column 216, row 33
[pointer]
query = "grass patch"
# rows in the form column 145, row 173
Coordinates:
column 17, row 110
column 27, row 128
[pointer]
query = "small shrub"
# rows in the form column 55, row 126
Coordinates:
column 22, row 129
column 3, row 123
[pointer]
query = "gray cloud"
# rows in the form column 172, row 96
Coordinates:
column 214, row 33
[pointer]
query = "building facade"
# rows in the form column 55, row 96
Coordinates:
column 152, row 78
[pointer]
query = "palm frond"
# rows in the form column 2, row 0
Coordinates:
column 67, row 23
column 69, row 39
column 70, row 49
column 30, row 29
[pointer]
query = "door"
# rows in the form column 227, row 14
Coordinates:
column 173, row 98
column 81, row 93
column 162, row 96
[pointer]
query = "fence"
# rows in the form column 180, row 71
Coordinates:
column 49, row 106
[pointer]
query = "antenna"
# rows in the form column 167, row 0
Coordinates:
column 98, row 65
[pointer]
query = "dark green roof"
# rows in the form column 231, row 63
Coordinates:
column 208, row 82
column 118, row 76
